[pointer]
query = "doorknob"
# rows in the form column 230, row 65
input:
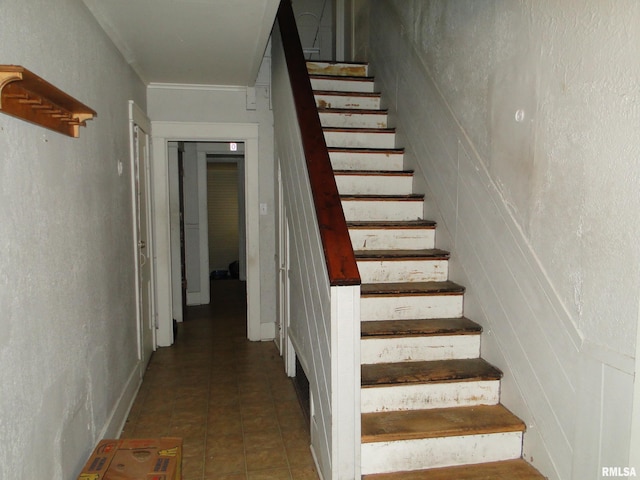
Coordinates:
column 142, row 244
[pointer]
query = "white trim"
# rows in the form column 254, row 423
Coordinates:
column 195, row 131
column 268, row 331
column 607, row 356
column 118, row 416
column 173, row 149
column 345, row 381
column 634, row 441
column 194, row 86
column 203, row 220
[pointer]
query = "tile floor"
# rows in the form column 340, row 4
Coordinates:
column 228, row 398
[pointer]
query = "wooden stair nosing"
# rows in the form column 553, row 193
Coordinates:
column 381, row 130
column 397, row 151
column 517, row 469
column 340, row 93
column 337, row 62
column 419, row 328
column 446, row 287
column 374, row 173
column 392, row 224
column 408, row 197
column 348, row 78
column 438, row 422
column 433, row 371
column 354, row 111
column 390, row 255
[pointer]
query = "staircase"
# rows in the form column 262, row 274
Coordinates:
column 430, row 405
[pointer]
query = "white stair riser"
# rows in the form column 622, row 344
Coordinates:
column 386, row 271
column 327, row 100
column 425, row 396
column 410, row 307
column 353, row 120
column 375, row 210
column 374, row 184
column 406, row 455
column 390, row 238
column 327, row 68
column 419, row 349
column 366, row 161
column 358, row 139
column 341, row 85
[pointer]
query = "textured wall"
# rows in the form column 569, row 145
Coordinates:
column 569, row 171
column 68, row 347
column 522, row 119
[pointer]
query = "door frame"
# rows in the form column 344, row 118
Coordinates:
column 284, row 342
column 137, row 118
column 164, row 132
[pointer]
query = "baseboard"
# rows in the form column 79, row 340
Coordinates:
column 267, row 331
column 315, row 461
column 115, row 423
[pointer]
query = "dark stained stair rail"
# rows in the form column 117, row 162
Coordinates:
column 336, row 243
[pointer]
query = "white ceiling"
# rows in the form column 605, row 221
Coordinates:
column 207, row 42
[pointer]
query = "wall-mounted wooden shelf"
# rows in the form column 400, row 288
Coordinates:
column 25, row 95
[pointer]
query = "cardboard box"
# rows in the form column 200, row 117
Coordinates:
column 135, row 459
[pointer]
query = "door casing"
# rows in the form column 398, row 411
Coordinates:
column 164, row 132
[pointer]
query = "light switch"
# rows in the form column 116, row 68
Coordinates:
column 263, row 209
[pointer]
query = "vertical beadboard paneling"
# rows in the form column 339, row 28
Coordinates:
column 325, row 327
column 310, row 304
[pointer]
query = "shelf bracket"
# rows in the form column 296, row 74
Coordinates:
column 25, row 95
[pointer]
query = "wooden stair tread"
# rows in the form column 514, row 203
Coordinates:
column 438, row 422
column 347, row 94
column 373, row 173
column 430, row 253
column 422, row 327
column 354, row 111
column 411, row 288
column 408, row 197
column 344, row 68
column 434, row 371
column 506, row 470
column 383, row 224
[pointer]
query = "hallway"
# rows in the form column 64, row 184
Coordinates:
column 228, row 398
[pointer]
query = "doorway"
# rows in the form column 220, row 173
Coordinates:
column 247, row 134
column 210, row 195
column 226, row 209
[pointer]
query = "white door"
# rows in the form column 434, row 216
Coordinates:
column 144, row 248
column 284, row 343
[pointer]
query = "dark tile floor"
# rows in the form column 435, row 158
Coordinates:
column 228, row 398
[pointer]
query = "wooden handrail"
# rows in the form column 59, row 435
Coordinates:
column 338, row 251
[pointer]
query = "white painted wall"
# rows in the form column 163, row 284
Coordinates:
column 68, row 345
column 542, row 214
column 234, row 105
